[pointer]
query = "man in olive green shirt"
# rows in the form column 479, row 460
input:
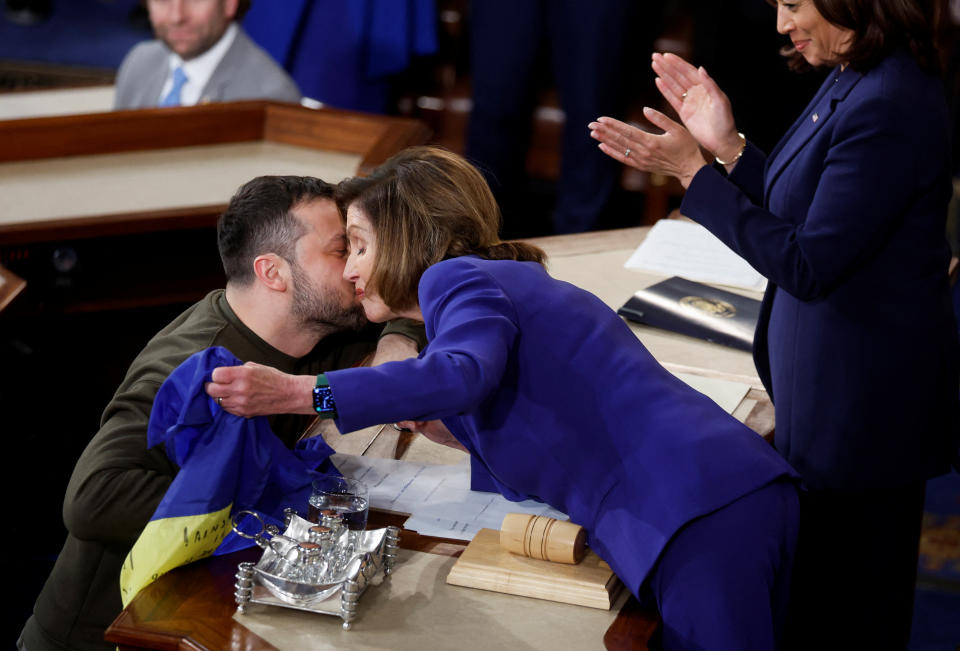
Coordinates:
column 285, row 305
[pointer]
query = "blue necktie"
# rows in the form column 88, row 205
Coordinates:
column 173, row 97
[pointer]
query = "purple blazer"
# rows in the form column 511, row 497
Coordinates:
column 856, row 341
column 557, row 400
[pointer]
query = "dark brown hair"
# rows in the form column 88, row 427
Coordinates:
column 881, row 26
column 427, row 204
column 259, row 220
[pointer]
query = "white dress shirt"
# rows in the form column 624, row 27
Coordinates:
column 198, row 69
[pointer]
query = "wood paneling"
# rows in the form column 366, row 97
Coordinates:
column 120, row 131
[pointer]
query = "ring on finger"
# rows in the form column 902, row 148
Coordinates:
column 220, row 401
column 626, row 154
column 683, row 95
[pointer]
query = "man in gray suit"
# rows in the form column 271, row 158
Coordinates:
column 201, row 55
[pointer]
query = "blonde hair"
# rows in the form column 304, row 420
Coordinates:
column 427, row 204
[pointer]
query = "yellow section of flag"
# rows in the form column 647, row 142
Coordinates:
column 168, row 543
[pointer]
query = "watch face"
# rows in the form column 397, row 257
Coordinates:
column 323, row 400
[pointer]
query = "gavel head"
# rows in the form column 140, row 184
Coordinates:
column 543, row 538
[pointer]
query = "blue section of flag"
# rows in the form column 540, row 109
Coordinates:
column 225, row 459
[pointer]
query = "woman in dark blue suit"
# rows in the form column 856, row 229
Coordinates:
column 556, row 399
column 856, row 342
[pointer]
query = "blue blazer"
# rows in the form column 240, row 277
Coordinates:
column 556, row 398
column 856, row 342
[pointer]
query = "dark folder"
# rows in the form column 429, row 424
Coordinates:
column 696, row 310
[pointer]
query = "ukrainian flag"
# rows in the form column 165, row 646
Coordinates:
column 227, row 464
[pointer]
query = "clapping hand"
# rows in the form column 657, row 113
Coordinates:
column 672, row 153
column 707, row 123
column 702, row 106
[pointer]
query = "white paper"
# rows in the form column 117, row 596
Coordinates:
column 680, row 248
column 725, row 393
column 438, row 497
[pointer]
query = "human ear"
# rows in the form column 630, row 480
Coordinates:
column 230, row 9
column 272, row 271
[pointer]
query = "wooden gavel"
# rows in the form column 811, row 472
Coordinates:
column 543, row 538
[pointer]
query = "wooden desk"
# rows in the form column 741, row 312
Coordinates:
column 96, row 208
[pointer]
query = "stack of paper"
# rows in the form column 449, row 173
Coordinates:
column 680, row 248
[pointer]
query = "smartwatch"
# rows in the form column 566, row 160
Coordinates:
column 323, row 398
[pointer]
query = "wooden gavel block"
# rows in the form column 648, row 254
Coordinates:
column 543, row 538
column 515, row 559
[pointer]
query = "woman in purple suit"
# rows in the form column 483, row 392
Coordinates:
column 556, row 400
column 856, row 341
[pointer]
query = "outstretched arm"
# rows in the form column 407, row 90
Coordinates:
column 256, row 390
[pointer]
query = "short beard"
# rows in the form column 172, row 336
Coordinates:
column 318, row 309
column 205, row 43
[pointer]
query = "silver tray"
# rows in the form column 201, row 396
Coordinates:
column 364, row 555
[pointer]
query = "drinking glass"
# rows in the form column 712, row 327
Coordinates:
column 348, row 497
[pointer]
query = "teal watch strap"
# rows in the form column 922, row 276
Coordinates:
column 323, row 402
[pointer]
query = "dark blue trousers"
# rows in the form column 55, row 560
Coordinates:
column 586, row 44
column 723, row 581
